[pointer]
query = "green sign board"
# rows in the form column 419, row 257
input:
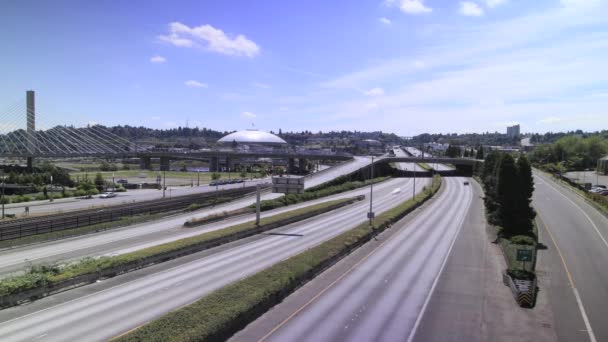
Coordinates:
column 524, row 255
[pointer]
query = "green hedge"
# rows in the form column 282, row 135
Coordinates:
column 314, row 193
column 38, row 276
column 220, row 314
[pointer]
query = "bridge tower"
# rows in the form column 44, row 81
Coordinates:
column 31, row 125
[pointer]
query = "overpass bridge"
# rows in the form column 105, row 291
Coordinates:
column 25, row 134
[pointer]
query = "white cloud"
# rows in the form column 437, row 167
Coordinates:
column 158, row 59
column 211, row 38
column 550, row 120
column 248, row 115
column 385, row 21
column 283, row 109
column 195, row 84
column 494, row 3
column 410, row 6
column 374, row 92
column 260, row 85
column 471, row 9
column 155, row 118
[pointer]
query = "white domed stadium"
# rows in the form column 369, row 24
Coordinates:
column 252, row 137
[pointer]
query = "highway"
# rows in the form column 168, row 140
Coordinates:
column 382, row 297
column 576, row 235
column 336, row 171
column 102, row 314
column 138, row 236
column 416, row 153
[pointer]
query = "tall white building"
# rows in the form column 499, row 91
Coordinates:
column 513, row 131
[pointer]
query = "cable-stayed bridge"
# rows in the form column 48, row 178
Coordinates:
column 24, row 133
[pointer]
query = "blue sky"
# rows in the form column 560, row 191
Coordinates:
column 403, row 66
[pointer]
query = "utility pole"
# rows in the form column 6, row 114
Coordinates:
column 198, row 178
column 2, row 200
column 164, row 182
column 257, row 204
column 414, row 191
column 51, row 189
column 370, row 214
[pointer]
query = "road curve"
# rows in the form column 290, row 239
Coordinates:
column 107, row 313
column 577, row 238
column 382, row 298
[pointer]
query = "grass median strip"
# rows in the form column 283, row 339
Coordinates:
column 319, row 191
column 50, row 278
column 220, row 314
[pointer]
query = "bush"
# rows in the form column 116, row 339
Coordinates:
column 26, row 198
column 40, row 276
column 218, row 315
column 523, row 240
column 40, row 197
column 120, row 188
column 313, row 193
column 5, row 200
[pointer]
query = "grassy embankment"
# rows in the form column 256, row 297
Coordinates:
column 220, row 314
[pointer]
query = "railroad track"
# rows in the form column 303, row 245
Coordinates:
column 23, row 227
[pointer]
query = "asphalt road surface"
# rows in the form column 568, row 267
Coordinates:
column 576, row 235
column 138, row 236
column 383, row 297
column 102, row 315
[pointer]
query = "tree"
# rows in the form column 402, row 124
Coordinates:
column 99, row 181
column 507, row 195
column 216, row 176
column 479, row 152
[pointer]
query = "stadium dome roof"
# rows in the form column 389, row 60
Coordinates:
column 252, row 136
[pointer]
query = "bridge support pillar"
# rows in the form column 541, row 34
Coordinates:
column 30, row 164
column 213, row 164
column 303, row 165
column 165, row 164
column 145, row 163
column 291, row 166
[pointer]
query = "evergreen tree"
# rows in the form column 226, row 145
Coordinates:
column 479, row 152
column 508, row 195
column 525, row 191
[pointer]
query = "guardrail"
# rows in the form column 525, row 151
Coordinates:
column 19, row 228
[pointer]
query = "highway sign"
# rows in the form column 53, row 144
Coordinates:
column 288, row 184
column 524, row 255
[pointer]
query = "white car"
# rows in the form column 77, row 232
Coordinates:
column 108, row 195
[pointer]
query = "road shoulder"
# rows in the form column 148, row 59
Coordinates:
column 471, row 303
column 267, row 322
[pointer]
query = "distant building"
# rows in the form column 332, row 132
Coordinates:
column 602, row 165
column 513, row 131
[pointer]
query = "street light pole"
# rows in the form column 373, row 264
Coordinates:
column 370, row 214
column 3, row 180
column 414, row 191
column 164, row 182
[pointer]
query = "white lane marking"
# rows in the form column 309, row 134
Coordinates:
column 436, row 281
column 582, row 211
column 396, row 191
column 579, row 302
column 585, row 319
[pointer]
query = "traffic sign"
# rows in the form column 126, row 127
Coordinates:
column 524, row 255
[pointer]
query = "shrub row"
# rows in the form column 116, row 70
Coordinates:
column 314, row 193
column 50, row 276
column 220, row 314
